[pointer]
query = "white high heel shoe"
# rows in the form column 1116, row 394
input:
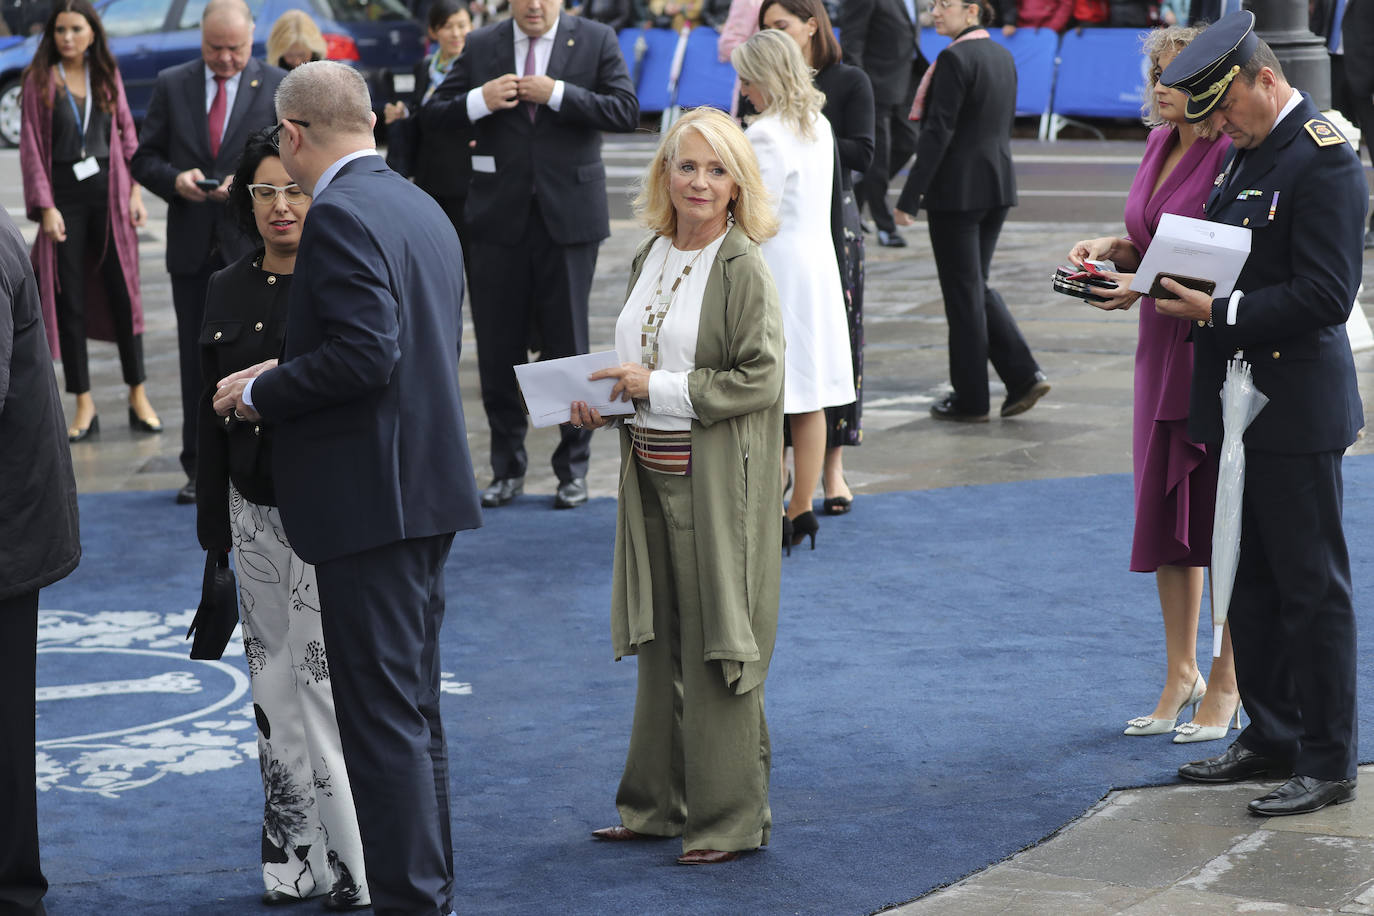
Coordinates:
column 1144, row 725
column 1189, row 732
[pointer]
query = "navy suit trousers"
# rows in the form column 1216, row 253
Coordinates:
column 1292, row 622
column 382, row 610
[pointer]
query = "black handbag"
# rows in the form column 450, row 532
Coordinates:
column 218, row 613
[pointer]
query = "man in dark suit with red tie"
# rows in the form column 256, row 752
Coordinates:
column 539, row 89
column 371, row 466
column 200, row 116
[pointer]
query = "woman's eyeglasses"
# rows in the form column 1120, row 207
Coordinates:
column 267, row 193
column 947, row 4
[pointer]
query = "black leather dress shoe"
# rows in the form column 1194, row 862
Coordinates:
column 890, row 239
column 571, row 493
column 1024, row 397
column 187, row 494
column 947, row 409
column 502, row 491
column 1236, row 764
column 1302, row 794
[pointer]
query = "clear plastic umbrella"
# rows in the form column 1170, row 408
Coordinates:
column 1241, row 402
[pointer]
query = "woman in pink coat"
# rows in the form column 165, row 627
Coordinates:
column 77, row 138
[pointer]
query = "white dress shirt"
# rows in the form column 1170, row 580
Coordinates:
column 231, row 91
column 669, row 405
column 543, row 48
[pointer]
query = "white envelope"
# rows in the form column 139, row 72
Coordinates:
column 1194, row 248
column 484, row 163
column 551, row 385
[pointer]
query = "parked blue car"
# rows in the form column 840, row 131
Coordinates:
column 379, row 37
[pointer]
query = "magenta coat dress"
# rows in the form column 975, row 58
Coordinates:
column 35, row 164
column 1175, row 478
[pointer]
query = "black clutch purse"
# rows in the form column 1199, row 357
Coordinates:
column 218, row 613
column 1076, row 283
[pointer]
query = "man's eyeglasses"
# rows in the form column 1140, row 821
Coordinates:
column 275, row 136
column 267, row 193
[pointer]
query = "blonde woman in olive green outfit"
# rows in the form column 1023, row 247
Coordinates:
column 695, row 592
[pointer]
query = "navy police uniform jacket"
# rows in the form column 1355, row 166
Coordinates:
column 1299, row 284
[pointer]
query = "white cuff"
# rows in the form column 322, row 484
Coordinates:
column 248, row 393
column 1231, row 307
column 477, row 105
column 668, row 394
column 556, row 97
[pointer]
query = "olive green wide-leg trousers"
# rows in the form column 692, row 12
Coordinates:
column 699, row 756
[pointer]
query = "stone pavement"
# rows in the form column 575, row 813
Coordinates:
column 1177, row 849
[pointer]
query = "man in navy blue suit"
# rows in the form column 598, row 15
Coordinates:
column 538, row 90
column 371, row 465
column 1295, row 183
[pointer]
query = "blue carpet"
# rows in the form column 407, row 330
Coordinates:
column 952, row 673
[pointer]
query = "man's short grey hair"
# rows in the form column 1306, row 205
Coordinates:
column 227, row 8
column 332, row 96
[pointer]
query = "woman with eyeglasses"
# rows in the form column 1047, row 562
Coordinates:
column 76, row 140
column 1175, row 477
column 310, row 840
column 849, row 109
column 963, row 177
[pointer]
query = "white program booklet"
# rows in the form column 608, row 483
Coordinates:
column 1197, row 249
column 551, row 385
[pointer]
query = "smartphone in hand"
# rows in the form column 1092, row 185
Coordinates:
column 207, row 184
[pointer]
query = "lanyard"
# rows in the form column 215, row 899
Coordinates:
column 84, row 122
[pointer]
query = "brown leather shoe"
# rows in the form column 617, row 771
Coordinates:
column 706, row 857
column 619, row 834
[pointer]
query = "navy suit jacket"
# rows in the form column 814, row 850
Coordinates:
column 557, row 158
column 370, row 445
column 176, row 136
column 1299, row 285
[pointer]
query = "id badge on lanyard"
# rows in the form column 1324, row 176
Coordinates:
column 87, row 166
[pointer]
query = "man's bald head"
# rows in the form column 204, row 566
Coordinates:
column 226, row 36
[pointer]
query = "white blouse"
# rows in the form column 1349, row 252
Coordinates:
column 669, row 406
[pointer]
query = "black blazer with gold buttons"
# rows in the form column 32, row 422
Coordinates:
column 245, row 323
column 1302, row 195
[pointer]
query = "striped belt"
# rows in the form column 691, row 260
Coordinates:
column 663, row 451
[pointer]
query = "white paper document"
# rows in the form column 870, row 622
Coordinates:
column 550, row 386
column 1194, row 248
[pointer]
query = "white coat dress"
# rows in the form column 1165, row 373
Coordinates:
column 798, row 173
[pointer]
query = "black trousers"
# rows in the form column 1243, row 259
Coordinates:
column 22, row 884
column 385, row 608
column 980, row 326
column 85, row 210
column 1292, row 623
column 894, row 142
column 537, row 289
column 188, row 299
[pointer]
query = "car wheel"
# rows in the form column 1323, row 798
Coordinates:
column 9, row 112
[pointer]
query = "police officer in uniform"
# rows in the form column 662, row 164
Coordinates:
column 1297, row 185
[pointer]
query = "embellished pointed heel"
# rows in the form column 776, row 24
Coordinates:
column 1190, row 732
column 1144, row 725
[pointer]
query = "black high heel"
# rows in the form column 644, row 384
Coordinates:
column 140, row 425
column 787, row 534
column 93, row 428
column 804, row 526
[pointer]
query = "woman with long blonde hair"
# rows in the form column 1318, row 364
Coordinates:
column 796, row 154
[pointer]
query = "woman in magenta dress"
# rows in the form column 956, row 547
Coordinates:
column 1175, row 478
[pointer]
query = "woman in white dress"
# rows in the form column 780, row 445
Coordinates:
column 796, row 153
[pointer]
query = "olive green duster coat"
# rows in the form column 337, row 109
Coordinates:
column 736, row 391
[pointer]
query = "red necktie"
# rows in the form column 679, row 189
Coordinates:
column 530, row 107
column 217, row 116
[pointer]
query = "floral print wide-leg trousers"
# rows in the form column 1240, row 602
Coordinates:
column 310, row 839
